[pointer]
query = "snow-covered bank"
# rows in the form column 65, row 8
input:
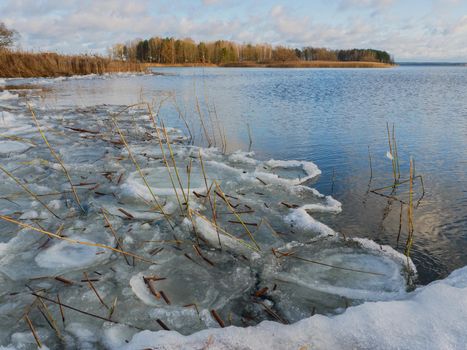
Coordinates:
column 432, row 317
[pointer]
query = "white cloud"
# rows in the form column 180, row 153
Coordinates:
column 82, row 26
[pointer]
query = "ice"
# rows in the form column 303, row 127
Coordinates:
column 332, row 275
column 289, row 171
column 237, row 237
column 7, row 95
column 65, row 255
column 432, row 317
column 7, row 147
column 160, row 183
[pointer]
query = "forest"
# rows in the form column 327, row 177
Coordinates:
column 181, row 51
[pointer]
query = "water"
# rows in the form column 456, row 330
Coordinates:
column 331, row 117
column 335, row 118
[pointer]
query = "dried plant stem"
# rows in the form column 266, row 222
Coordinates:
column 119, row 243
column 50, row 319
column 25, row 188
column 74, row 241
column 94, row 289
column 55, row 155
column 410, row 215
column 138, row 168
column 206, row 134
column 33, row 331
column 208, row 194
column 237, row 215
column 62, row 313
column 333, row 266
column 173, row 160
column 81, row 311
column 164, row 157
column 224, row 232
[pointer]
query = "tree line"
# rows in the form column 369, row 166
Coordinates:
column 181, row 51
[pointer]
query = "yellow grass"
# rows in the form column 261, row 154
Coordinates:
column 15, row 64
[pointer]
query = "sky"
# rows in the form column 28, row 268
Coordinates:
column 411, row 30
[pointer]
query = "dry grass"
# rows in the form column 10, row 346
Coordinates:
column 16, row 64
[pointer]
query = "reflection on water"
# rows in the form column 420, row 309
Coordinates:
column 331, row 116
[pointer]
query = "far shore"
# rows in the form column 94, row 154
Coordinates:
column 285, row 64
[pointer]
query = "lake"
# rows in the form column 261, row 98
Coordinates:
column 335, row 118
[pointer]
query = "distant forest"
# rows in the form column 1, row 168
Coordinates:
column 182, row 51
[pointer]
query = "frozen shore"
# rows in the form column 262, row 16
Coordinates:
column 219, row 240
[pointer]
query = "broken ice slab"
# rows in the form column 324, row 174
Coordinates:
column 331, row 274
column 193, row 280
column 293, row 172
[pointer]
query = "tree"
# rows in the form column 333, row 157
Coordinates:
column 7, row 36
column 281, row 53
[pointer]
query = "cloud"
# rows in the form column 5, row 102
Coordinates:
column 93, row 26
column 365, row 4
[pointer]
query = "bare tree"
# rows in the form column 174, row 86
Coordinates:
column 7, row 36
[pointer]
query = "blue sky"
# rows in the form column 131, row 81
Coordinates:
column 433, row 30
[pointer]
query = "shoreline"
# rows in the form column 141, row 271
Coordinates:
column 291, row 64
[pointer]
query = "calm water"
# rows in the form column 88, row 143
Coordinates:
column 332, row 116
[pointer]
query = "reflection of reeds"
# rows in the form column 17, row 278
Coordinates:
column 397, row 182
column 250, row 143
column 393, row 153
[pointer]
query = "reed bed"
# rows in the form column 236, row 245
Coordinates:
column 21, row 64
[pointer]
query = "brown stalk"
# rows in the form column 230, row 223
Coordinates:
column 55, row 155
column 61, row 308
column 138, row 168
column 33, row 331
column 119, row 243
column 81, row 311
column 217, row 318
column 164, row 296
column 163, row 325
column 63, row 280
column 152, row 289
column 25, row 188
column 53, row 235
column 236, row 215
column 94, row 289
